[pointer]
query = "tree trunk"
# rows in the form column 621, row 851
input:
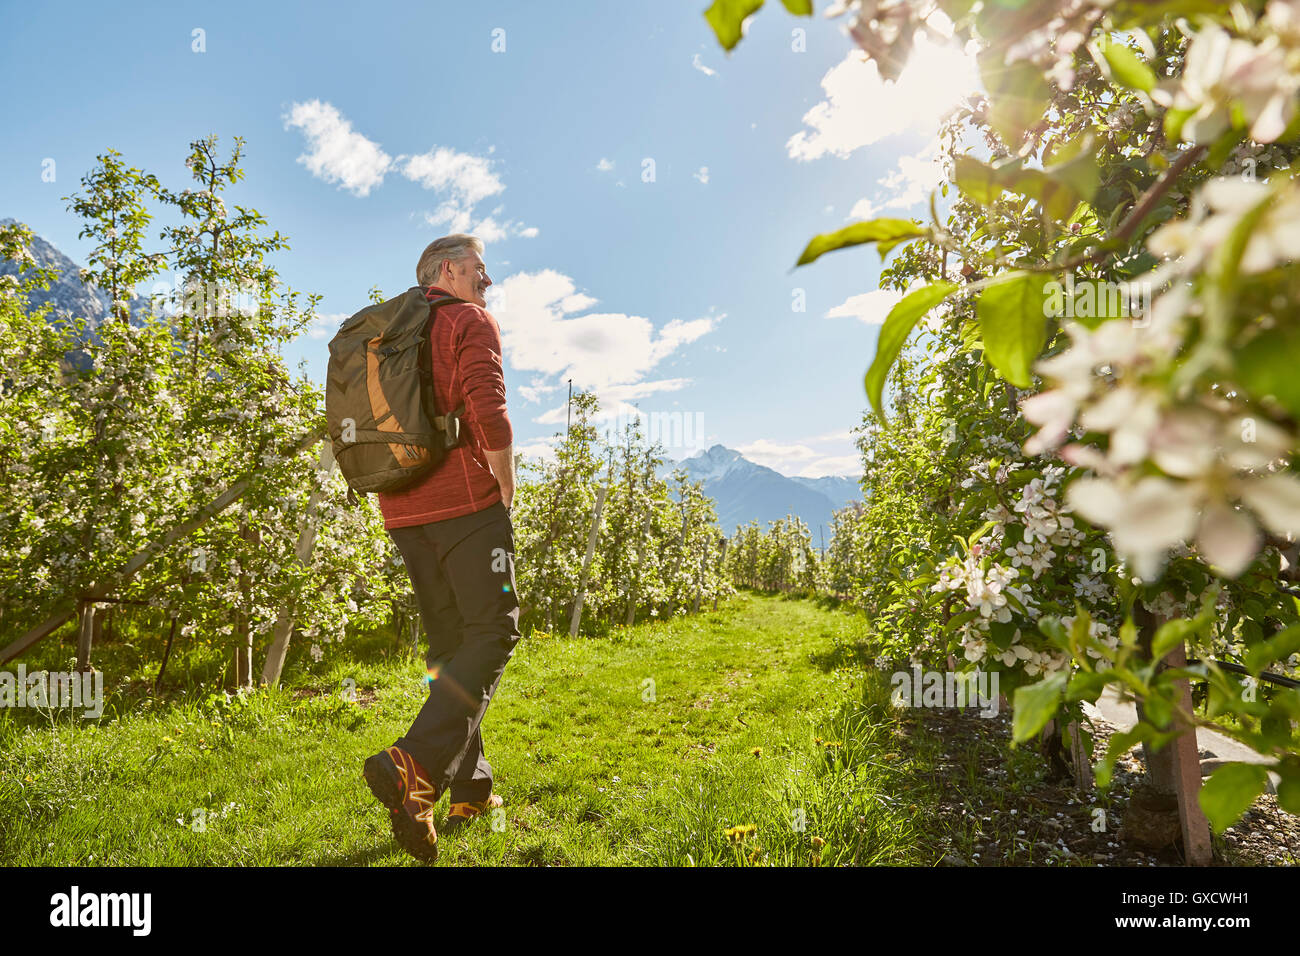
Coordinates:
column 592, row 537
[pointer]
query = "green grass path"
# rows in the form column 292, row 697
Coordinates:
column 641, row 748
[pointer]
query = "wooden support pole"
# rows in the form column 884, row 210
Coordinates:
column 592, row 537
column 85, row 635
column 1176, row 768
column 722, row 557
column 1080, row 758
column 1185, row 761
column 699, row 587
column 634, row 592
column 283, row 628
column 681, row 549
column 243, row 625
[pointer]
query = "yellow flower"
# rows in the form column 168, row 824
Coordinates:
column 757, row 751
column 818, row 842
column 737, row 834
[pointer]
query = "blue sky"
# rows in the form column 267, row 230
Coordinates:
column 373, row 129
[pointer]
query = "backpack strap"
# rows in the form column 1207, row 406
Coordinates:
column 448, row 424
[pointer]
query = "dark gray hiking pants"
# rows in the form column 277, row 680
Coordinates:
column 463, row 573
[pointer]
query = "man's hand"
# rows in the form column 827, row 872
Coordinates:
column 502, row 464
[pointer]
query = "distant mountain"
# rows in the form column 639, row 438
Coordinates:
column 68, row 295
column 745, row 491
column 837, row 488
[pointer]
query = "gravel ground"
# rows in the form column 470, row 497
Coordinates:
column 1004, row 806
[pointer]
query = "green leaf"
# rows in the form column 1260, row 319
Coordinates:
column 1086, row 685
column 1223, row 146
column 1127, row 69
column 1288, row 787
column 1229, row 792
column 1034, row 705
column 873, row 230
column 800, row 8
column 1119, row 745
column 1278, row 647
column 1074, row 165
column 727, row 16
column 959, row 619
column 1171, row 634
column 1174, row 120
column 1013, row 324
column 1054, row 631
column 1266, row 366
column 898, row 325
column 979, row 181
column 1157, row 710
column 1018, row 95
column 1058, row 187
column 982, row 530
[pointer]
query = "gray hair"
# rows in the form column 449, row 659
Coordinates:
column 454, row 247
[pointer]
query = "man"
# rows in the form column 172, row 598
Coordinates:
column 454, row 532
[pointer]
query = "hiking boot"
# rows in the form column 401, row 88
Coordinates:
column 399, row 782
column 462, row 813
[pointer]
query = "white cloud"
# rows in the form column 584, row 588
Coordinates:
column 770, row 453
column 488, row 228
column 828, row 454
column 868, row 307
column 543, row 448
column 605, row 165
column 469, row 179
column 576, row 302
column 611, row 353
column 617, row 400
column 703, row 175
column 844, row 434
column 699, row 65
column 863, row 209
column 465, row 180
column 337, row 153
column 915, row 178
column 846, row 465
column 860, row 108
column 325, row 324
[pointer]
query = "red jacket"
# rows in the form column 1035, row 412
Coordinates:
column 466, row 370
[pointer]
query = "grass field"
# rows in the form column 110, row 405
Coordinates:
column 644, row 747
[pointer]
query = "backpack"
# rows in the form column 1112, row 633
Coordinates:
column 379, row 400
